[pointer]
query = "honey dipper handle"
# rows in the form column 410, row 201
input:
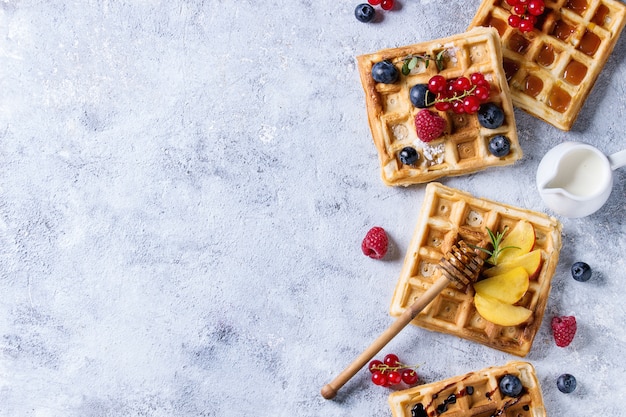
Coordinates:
column 330, row 390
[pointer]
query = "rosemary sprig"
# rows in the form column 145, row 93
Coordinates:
column 496, row 241
column 411, row 61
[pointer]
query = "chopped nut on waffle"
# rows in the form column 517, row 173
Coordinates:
column 448, row 215
column 552, row 69
column 451, row 141
column 474, row 394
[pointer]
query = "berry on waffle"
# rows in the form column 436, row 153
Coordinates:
column 509, row 390
column 466, row 70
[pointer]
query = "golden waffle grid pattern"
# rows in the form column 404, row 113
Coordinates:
column 552, row 69
column 475, row 394
column 448, row 214
column 464, row 146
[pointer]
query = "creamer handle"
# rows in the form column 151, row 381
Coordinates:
column 618, row 159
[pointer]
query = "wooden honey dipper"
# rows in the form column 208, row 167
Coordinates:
column 461, row 265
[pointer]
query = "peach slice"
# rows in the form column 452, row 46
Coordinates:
column 522, row 240
column 508, row 287
column 500, row 313
column 530, row 261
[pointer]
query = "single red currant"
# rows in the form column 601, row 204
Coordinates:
column 391, row 359
column 394, row 377
column 519, row 9
column 484, row 83
column 374, row 2
column 437, row 84
column 409, row 376
column 443, row 105
column 457, row 107
column 476, row 78
column 462, row 84
column 471, row 104
column 514, row 21
column 512, row 2
column 450, row 89
column 374, row 365
column 387, row 4
column 481, row 92
column 536, row 7
column 379, row 378
column 525, row 25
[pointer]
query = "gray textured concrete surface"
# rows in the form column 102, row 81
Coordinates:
column 184, row 187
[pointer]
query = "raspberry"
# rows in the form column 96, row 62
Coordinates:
column 428, row 125
column 564, row 329
column 375, row 243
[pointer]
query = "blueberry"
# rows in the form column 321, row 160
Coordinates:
column 581, row 271
column 499, row 146
column 364, row 13
column 490, row 116
column 385, row 72
column 566, row 383
column 510, row 385
column 409, row 156
column 421, row 96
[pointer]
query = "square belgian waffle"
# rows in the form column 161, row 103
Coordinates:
column 446, row 215
column 463, row 148
column 476, row 394
column 552, row 69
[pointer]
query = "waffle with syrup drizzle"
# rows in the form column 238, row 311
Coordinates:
column 475, row 394
column 463, row 148
column 552, row 69
column 448, row 215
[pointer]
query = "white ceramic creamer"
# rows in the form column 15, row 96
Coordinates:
column 575, row 179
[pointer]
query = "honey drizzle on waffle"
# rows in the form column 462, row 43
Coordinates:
column 552, row 69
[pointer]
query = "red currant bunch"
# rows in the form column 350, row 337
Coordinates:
column 524, row 13
column 392, row 372
column 461, row 95
column 384, row 4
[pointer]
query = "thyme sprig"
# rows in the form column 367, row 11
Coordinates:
column 411, row 61
column 496, row 241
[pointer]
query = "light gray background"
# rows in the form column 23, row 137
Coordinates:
column 184, row 187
